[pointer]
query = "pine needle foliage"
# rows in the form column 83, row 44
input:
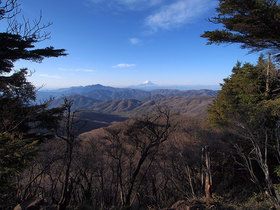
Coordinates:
column 255, row 24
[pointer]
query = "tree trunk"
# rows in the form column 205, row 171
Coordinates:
column 67, row 187
column 69, row 140
column 134, row 176
column 207, row 178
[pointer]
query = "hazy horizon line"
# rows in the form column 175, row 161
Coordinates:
column 138, row 86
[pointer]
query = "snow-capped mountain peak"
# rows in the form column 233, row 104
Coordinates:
column 148, row 83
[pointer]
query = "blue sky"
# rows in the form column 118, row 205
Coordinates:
column 126, row 42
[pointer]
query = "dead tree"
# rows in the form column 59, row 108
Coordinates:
column 206, row 177
column 260, row 145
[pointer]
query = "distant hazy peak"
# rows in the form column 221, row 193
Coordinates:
column 147, row 82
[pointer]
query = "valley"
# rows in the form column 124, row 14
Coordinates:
column 99, row 106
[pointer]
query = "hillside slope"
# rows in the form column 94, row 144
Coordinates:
column 134, row 108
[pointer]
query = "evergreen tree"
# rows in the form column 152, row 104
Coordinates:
column 242, row 92
column 248, row 104
column 253, row 23
column 22, row 124
column 244, row 108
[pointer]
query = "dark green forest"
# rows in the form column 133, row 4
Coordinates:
column 225, row 158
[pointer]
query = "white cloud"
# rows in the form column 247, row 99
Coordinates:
column 177, row 14
column 123, row 65
column 134, row 41
column 50, row 76
column 76, row 70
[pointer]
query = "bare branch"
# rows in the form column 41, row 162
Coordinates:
column 34, row 29
column 9, row 10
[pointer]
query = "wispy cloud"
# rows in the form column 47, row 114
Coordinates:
column 177, row 14
column 50, row 76
column 137, row 2
column 134, row 41
column 123, row 65
column 76, row 70
column 129, row 4
column 164, row 14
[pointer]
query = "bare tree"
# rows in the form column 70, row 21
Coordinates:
column 147, row 135
column 9, row 9
column 67, row 134
column 130, row 152
column 260, row 145
column 26, row 28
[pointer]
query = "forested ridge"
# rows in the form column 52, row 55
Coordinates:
column 173, row 152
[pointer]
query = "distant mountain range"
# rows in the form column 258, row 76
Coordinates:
column 100, row 106
column 103, row 93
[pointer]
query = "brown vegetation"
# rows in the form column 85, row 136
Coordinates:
column 195, row 107
column 149, row 162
